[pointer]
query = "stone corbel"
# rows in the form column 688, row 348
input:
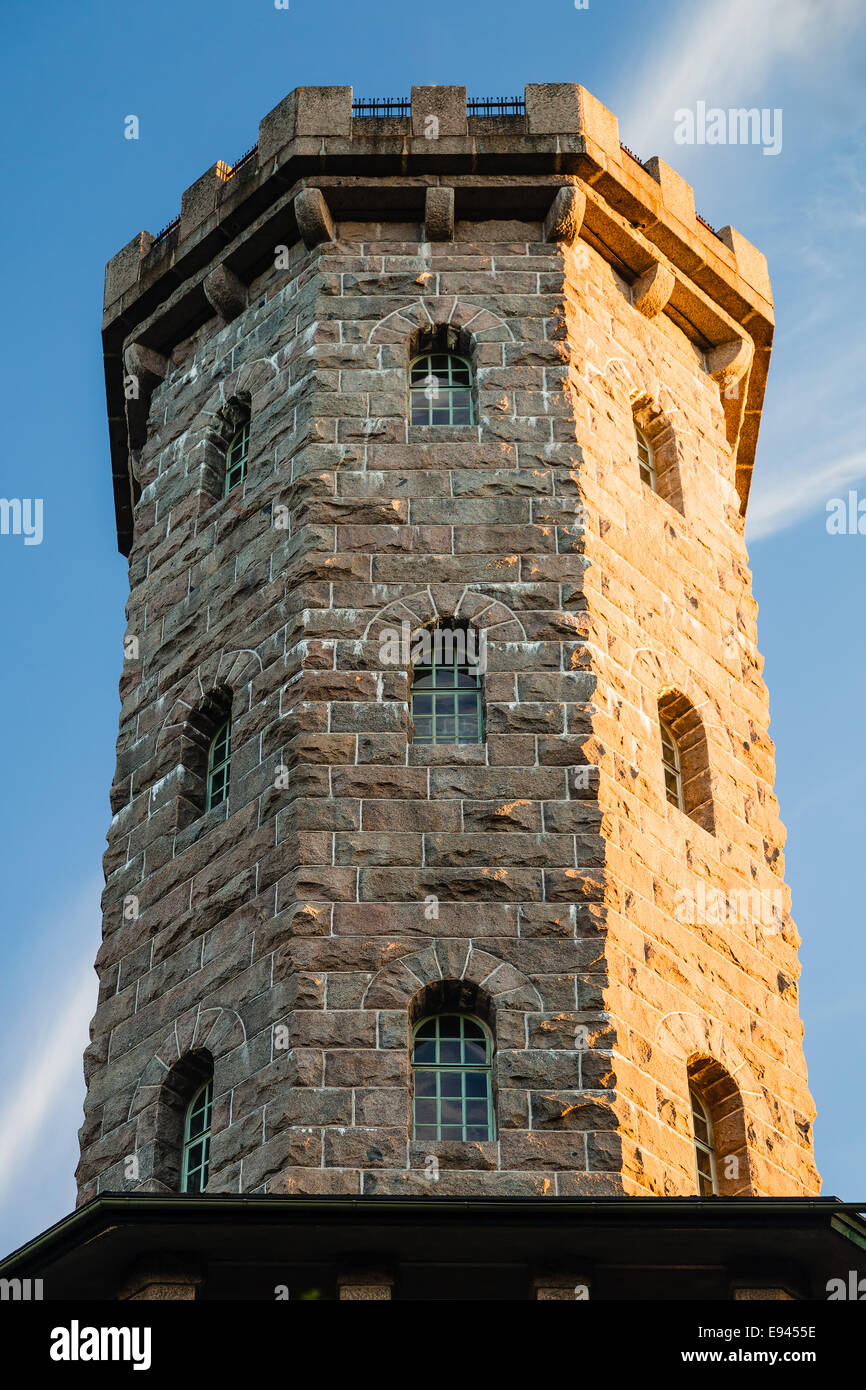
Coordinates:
column 565, row 218
column 729, row 364
column 313, row 217
column 225, row 292
column 439, row 214
column 652, row 291
column 144, row 370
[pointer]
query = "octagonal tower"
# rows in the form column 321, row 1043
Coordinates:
column 299, row 870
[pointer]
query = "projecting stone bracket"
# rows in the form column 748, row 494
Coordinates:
column 651, row 292
column 144, row 370
column 728, row 363
column 225, row 292
column 565, row 218
column 313, row 217
column 439, row 214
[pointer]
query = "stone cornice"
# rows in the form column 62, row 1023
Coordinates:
column 368, row 169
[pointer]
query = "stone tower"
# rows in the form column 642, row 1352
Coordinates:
column 598, row 880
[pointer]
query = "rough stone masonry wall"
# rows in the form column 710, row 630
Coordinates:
column 700, row 946
column 308, row 905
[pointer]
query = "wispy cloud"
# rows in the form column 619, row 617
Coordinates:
column 787, row 500
column 726, row 48
column 44, row 1074
column 57, row 1065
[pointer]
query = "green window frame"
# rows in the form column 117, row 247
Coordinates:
column 705, row 1147
column 452, row 1065
column 446, row 696
column 646, row 460
column 440, row 390
column 236, row 457
column 671, row 768
column 196, row 1140
column 219, row 766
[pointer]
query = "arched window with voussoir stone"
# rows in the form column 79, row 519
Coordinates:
column 452, row 1061
column 447, row 686
column 441, row 389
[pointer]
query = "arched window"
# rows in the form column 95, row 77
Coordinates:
column 440, row 387
column 226, row 443
column 205, row 752
column 196, row 1140
column 452, row 1062
column 655, row 448
column 446, row 687
column 182, row 1117
column 236, row 457
column 719, row 1130
column 685, row 760
column 705, row 1148
column 219, row 766
column 671, row 768
column 645, row 460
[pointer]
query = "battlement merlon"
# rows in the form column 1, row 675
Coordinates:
column 640, row 217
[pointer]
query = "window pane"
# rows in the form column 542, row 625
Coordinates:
column 450, row 1026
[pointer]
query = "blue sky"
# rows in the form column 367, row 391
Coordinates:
column 200, row 77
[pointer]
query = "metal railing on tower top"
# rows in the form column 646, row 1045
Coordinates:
column 382, row 107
